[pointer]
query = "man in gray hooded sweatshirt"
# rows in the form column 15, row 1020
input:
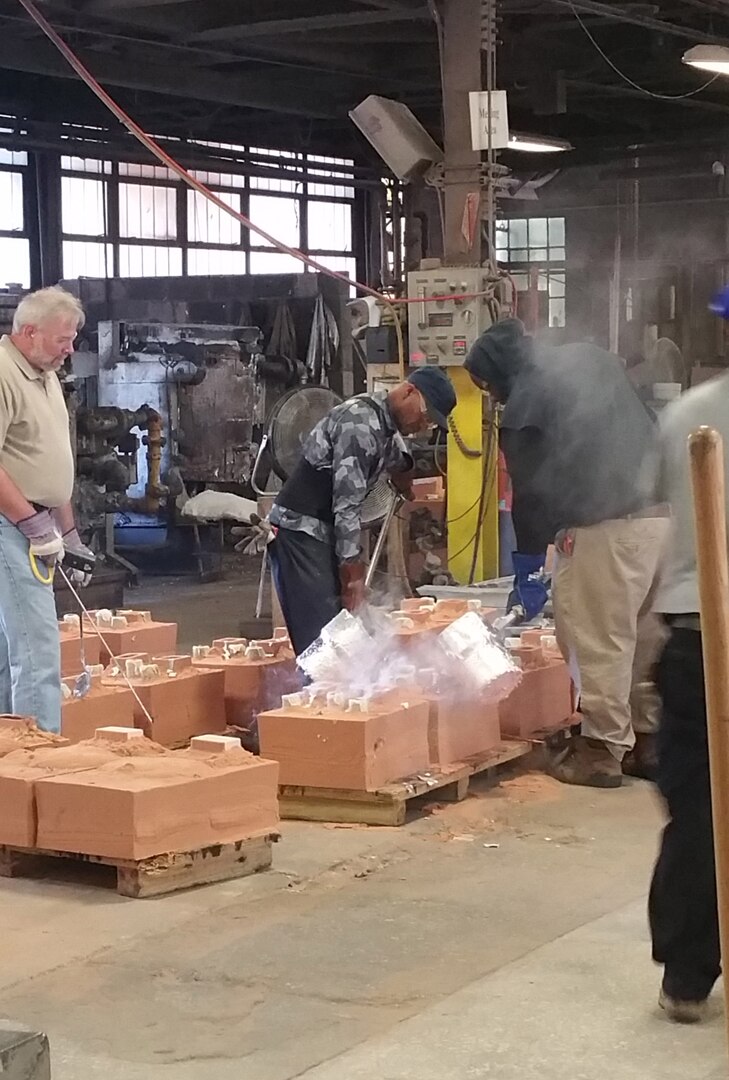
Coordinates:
column 577, row 442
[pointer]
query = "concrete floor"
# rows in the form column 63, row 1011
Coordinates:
column 420, row 953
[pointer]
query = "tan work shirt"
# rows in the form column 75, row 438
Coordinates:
column 35, row 441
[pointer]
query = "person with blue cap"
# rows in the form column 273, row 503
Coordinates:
column 316, row 556
column 575, row 437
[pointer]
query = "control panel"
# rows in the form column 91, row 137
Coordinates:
column 453, row 306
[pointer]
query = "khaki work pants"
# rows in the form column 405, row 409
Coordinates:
column 602, row 609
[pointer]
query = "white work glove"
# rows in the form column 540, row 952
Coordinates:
column 76, row 550
column 45, row 539
column 257, row 540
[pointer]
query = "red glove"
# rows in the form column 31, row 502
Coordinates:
column 352, row 581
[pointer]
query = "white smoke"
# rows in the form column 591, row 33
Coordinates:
column 363, row 656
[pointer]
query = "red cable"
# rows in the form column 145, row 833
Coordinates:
column 154, row 148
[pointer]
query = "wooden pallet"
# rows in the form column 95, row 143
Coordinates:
column 158, row 875
column 389, row 804
column 491, row 762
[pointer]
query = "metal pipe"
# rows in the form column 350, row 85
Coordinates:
column 377, row 553
column 154, row 442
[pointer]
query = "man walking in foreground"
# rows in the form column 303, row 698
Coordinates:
column 683, row 910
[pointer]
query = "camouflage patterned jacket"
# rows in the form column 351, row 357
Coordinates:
column 357, row 443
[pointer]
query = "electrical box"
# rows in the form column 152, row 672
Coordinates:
column 441, row 331
column 381, row 345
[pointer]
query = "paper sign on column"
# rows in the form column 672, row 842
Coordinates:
column 479, row 105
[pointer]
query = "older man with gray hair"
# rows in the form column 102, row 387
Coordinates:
column 36, row 485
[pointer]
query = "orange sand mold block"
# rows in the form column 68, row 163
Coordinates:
column 334, row 746
column 458, row 727
column 256, row 674
column 541, row 702
column 102, row 705
column 462, row 728
column 22, row 733
column 21, row 769
column 72, row 646
column 181, row 801
column 133, row 631
column 182, row 700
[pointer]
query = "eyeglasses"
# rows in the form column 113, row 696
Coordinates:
column 431, row 424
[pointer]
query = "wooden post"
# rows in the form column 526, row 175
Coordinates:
column 707, row 474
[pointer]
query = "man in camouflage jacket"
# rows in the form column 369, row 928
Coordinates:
column 316, row 557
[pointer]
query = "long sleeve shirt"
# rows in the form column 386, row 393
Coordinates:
column 356, row 443
column 575, row 437
column 707, row 404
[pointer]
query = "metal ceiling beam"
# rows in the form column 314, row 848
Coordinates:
column 300, row 56
column 710, row 7
column 101, row 7
column 249, row 90
column 624, row 90
column 385, row 5
column 310, row 24
column 625, row 15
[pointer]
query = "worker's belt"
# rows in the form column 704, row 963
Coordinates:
column 690, row 621
column 661, row 511
column 40, row 509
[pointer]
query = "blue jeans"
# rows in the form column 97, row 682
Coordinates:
column 30, row 648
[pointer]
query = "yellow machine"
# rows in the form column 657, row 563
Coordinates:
column 458, row 303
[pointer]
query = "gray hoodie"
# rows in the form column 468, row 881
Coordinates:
column 575, row 435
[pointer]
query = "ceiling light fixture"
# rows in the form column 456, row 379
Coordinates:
column 708, row 58
column 538, row 144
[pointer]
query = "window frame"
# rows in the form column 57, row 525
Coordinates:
column 326, row 173
column 553, row 269
column 24, row 233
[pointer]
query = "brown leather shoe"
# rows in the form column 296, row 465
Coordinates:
column 642, row 760
column 587, row 762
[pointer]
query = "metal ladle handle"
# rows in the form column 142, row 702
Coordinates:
column 377, row 553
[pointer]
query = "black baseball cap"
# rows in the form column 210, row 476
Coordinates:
column 438, row 392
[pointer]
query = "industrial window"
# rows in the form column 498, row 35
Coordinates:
column 130, row 219
column 14, row 245
column 85, row 259
column 274, row 262
column 148, row 260
column 147, row 212
column 333, row 169
column 533, row 250
column 208, row 223
column 210, row 261
column 330, row 226
column 84, row 206
column 279, row 216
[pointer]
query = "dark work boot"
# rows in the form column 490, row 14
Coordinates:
column 642, row 760
column 588, row 763
column 681, row 1011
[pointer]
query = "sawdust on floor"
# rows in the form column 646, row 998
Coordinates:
column 531, row 786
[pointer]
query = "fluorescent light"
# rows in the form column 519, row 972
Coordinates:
column 538, row 144
column 708, row 58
